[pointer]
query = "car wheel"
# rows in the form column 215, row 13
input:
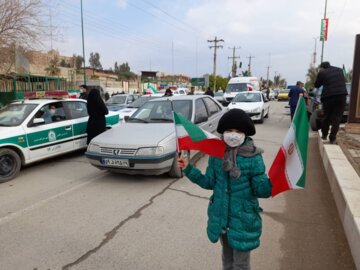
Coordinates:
column 261, row 118
column 175, row 171
column 315, row 122
column 10, row 164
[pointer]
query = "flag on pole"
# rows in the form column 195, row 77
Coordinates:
column 151, row 89
column 191, row 137
column 288, row 170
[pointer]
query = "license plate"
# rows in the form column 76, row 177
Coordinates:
column 115, row 162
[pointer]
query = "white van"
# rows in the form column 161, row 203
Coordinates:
column 240, row 84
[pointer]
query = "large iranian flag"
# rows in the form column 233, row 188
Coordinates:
column 191, row 137
column 288, row 170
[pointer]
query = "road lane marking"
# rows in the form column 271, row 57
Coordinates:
column 38, row 204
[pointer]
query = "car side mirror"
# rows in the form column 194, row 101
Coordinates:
column 38, row 121
column 201, row 119
column 126, row 118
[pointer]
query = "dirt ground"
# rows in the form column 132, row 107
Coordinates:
column 350, row 144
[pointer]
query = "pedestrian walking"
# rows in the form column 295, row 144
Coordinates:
column 209, row 92
column 333, row 98
column 237, row 181
column 97, row 110
column 192, row 91
column 84, row 91
column 168, row 93
column 294, row 95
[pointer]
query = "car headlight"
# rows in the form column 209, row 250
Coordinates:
column 255, row 110
column 93, row 148
column 150, row 151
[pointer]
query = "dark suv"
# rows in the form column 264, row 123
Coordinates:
column 314, row 108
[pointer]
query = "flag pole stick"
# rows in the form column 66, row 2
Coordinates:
column 176, row 135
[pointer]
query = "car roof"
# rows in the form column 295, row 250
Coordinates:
column 44, row 101
column 188, row 97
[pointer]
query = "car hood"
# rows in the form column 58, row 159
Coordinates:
column 246, row 106
column 126, row 112
column 135, row 135
column 115, row 107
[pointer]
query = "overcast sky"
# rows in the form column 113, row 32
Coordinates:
column 171, row 36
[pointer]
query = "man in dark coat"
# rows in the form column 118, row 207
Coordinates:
column 294, row 96
column 333, row 98
column 97, row 110
column 209, row 92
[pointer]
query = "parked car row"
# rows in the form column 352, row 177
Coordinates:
column 141, row 136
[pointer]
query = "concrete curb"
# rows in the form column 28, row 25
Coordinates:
column 345, row 186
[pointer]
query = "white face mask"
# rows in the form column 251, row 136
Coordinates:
column 52, row 111
column 234, row 139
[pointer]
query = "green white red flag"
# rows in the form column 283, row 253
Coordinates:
column 288, row 170
column 192, row 137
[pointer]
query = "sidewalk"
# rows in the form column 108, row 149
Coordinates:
column 345, row 185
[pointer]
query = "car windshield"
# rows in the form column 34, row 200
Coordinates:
column 140, row 101
column 247, row 97
column 160, row 111
column 116, row 100
column 14, row 114
column 236, row 87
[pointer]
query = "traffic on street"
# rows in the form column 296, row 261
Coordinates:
column 63, row 213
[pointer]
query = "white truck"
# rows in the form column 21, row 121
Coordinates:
column 240, row 84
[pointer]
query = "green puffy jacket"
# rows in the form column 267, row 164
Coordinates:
column 234, row 207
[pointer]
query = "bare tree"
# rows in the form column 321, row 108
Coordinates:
column 21, row 26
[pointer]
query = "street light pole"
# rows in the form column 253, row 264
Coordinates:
column 82, row 30
column 323, row 40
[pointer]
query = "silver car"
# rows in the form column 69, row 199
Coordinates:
column 146, row 142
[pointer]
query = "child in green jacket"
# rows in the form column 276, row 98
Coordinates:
column 237, row 181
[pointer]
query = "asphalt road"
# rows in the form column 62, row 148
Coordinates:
column 64, row 214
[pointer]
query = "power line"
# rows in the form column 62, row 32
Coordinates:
column 173, row 17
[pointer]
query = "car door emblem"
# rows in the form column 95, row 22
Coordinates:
column 52, row 136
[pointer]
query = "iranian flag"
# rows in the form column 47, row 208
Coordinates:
column 191, row 137
column 288, row 170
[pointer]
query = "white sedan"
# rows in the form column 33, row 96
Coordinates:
column 253, row 103
column 146, row 142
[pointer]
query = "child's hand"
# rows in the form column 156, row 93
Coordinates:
column 182, row 163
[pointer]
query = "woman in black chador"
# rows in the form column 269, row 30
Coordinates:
column 97, row 111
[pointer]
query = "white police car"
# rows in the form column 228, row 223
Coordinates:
column 35, row 129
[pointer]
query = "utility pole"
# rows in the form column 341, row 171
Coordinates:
column 249, row 66
column 215, row 41
column 234, row 67
column 323, row 40
column 314, row 59
column 82, row 30
column 267, row 76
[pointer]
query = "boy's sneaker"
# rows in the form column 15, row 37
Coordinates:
column 333, row 141
column 324, row 138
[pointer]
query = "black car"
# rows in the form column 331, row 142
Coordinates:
column 315, row 111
